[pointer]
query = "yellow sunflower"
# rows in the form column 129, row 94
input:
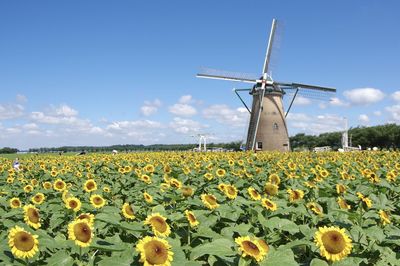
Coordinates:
column 145, row 178
column 15, row 203
column 28, row 188
column 90, row 185
column 158, row 224
column 231, row 191
column 81, row 232
column 187, row 191
column 274, row 179
column 271, row 189
column 87, row 217
column 154, row 251
column 296, row 194
column 221, row 187
column 269, row 204
column 147, row 197
column 253, row 193
column 106, row 189
column 59, row 185
column 340, row 188
column 47, row 185
column 38, row 198
column 316, row 208
column 127, row 211
column 384, row 217
column 149, row 168
column 263, row 245
column 97, row 201
column 210, row 201
column 31, row 216
column 22, row 243
column 343, row 204
column 220, row 172
column 208, row 176
column 333, row 242
column 251, row 248
column 173, row 182
column 191, row 218
column 73, row 203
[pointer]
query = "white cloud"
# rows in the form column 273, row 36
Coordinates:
column 394, row 112
column 186, row 126
column 364, row 96
column 396, row 96
column 11, row 111
column 300, row 100
column 337, row 102
column 182, row 109
column 65, row 110
column 30, row 126
column 378, row 113
column 150, row 108
column 363, row 118
column 186, row 99
column 21, row 99
column 311, row 124
column 226, row 115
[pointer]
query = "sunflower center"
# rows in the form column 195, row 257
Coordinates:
column 82, row 232
column 333, row 242
column 250, row 248
column 231, row 190
column 156, row 252
column 98, row 200
column 129, row 210
column 73, row 204
column 159, row 224
column 90, row 185
column 192, row 218
column 33, row 215
column 59, row 185
column 23, row 241
column 15, row 203
column 211, row 200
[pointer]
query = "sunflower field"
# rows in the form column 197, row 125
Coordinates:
column 183, row 208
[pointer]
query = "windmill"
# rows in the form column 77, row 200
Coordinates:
column 267, row 128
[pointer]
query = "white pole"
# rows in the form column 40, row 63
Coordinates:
column 205, row 143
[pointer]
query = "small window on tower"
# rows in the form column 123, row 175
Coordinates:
column 276, row 126
column 259, row 145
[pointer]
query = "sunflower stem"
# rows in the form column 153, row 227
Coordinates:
column 188, row 234
column 80, row 253
column 27, row 262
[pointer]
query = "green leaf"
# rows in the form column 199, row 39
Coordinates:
column 279, row 257
column 281, row 224
column 107, row 246
column 60, row 258
column 318, row 262
column 219, row 247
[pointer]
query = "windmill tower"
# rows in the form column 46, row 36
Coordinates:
column 267, row 128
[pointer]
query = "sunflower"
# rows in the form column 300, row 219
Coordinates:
column 47, row 185
column 81, row 232
column 38, row 198
column 73, row 203
column 97, row 201
column 271, row 189
column 191, row 218
column 34, row 182
column 145, row 178
column 210, row 201
column 59, row 185
column 154, row 251
column 65, row 195
column 222, row 187
column 147, row 197
column 208, row 176
column 310, row 184
column 254, row 195
column 106, row 189
column 127, row 211
column 15, row 203
column 28, row 188
column 90, row 185
column 173, row 182
column 296, row 194
column 269, row 204
column 158, row 224
column 274, row 179
column 384, row 217
column 340, row 189
column 220, row 172
column 86, row 216
column 333, row 242
column 31, row 216
column 231, row 191
column 343, row 204
column 22, row 243
column 315, row 207
column 187, row 191
column 251, row 248
column 367, row 202
column 263, row 245
column 149, row 168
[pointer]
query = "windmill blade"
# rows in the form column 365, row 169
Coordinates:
column 227, row 75
column 306, row 86
column 309, row 93
column 269, row 47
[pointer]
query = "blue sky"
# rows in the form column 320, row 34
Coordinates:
column 116, row 72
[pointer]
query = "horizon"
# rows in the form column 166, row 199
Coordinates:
column 99, row 73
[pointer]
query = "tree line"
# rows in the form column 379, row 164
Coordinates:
column 382, row 136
